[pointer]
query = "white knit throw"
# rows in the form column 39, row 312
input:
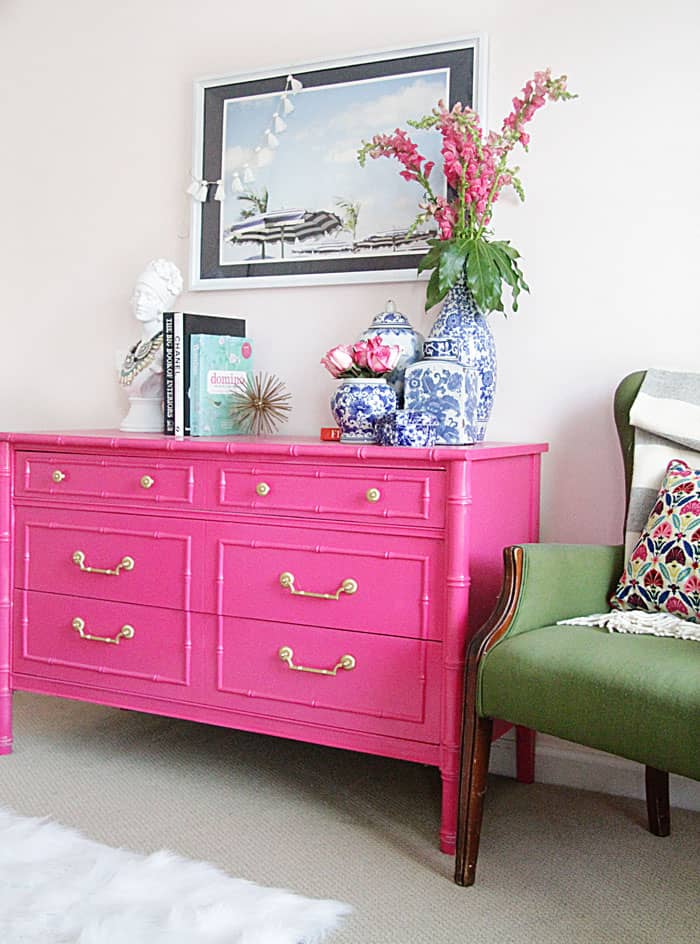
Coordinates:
column 637, row 621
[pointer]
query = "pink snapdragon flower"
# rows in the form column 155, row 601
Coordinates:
column 399, row 146
column 445, row 216
column 475, row 165
column 534, row 95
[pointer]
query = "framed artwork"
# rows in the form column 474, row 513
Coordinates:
column 278, row 195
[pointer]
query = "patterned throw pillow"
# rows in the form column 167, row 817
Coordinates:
column 663, row 572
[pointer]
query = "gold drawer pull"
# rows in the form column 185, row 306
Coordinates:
column 126, row 632
column 57, row 475
column 348, row 586
column 373, row 495
column 147, row 481
column 346, row 662
column 262, row 488
column 126, row 563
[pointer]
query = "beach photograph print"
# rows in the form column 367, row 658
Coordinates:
column 283, row 198
column 293, row 187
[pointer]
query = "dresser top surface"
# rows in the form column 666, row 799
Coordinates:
column 272, row 446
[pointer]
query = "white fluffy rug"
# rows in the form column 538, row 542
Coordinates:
column 56, row 887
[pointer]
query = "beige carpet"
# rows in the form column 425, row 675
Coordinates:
column 557, row 865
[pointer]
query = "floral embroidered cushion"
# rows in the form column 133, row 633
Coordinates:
column 663, row 572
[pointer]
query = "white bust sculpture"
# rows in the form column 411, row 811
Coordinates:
column 141, row 370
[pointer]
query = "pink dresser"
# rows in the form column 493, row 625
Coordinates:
column 308, row 590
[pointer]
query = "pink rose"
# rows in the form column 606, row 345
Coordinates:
column 338, row 359
column 383, row 358
column 359, row 353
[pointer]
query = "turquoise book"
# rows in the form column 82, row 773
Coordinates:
column 219, row 366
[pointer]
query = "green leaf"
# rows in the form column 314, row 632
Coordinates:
column 452, row 262
column 434, row 293
column 483, row 276
column 431, row 259
column 505, row 257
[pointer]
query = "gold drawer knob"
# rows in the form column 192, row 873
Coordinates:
column 57, row 475
column 147, row 481
column 262, row 488
column 373, row 495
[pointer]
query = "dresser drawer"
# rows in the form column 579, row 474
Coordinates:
column 135, row 648
column 412, row 497
column 374, row 583
column 86, row 478
column 356, row 681
column 112, row 557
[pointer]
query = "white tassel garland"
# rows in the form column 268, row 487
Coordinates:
column 199, row 190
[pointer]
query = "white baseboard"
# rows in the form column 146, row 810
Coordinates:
column 573, row 765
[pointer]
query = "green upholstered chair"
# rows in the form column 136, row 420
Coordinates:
column 633, row 696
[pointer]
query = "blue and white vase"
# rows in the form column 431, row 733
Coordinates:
column 358, row 403
column 440, row 385
column 394, row 328
column 461, row 318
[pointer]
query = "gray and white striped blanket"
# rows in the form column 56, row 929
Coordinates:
column 666, row 420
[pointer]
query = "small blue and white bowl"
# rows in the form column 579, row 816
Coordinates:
column 407, row 428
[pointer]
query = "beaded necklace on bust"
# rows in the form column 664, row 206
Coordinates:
column 139, row 357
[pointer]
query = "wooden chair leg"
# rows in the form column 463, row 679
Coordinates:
column 524, row 754
column 476, row 748
column 658, row 809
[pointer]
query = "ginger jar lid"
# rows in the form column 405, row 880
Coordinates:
column 390, row 316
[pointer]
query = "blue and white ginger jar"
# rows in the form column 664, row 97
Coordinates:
column 461, row 318
column 394, row 328
column 440, row 385
column 358, row 403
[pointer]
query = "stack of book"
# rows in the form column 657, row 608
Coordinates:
column 183, row 335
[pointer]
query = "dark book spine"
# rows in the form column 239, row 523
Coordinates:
column 168, row 375
column 179, row 390
column 197, row 324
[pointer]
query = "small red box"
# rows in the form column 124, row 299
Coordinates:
column 330, row 433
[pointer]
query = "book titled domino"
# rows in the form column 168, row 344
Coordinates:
column 178, row 327
column 220, row 367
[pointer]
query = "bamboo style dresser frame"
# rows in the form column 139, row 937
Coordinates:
column 316, row 591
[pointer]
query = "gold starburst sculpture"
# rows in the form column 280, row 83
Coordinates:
column 262, row 405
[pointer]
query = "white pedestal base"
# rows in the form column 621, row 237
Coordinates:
column 145, row 415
